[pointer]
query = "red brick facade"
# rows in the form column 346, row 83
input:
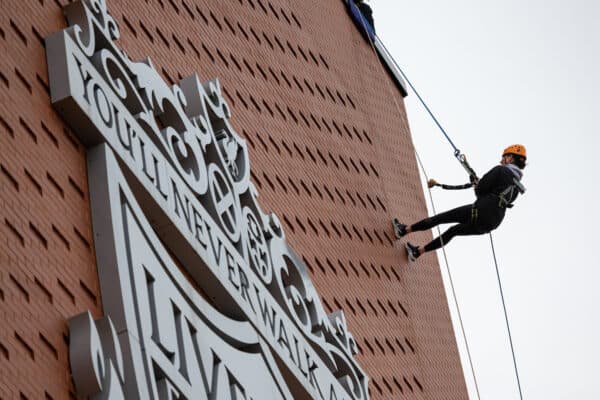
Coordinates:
column 331, row 155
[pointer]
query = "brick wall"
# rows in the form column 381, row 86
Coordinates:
column 331, row 155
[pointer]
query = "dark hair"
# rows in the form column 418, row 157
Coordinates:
column 519, row 161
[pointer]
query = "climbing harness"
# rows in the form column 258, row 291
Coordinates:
column 474, row 215
column 473, row 177
column 508, row 195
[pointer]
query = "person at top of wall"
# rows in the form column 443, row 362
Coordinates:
column 366, row 11
column 495, row 191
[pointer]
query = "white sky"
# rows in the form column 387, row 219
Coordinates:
column 497, row 73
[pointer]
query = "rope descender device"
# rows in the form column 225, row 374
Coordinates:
column 462, row 159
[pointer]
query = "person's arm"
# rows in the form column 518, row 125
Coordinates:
column 432, row 182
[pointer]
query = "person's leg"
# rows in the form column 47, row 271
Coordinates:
column 459, row 215
column 446, row 237
column 457, row 230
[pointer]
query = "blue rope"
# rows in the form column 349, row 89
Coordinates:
column 456, row 150
column 457, row 153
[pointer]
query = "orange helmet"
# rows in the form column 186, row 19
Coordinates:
column 516, row 149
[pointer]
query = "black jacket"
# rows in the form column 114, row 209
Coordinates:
column 490, row 212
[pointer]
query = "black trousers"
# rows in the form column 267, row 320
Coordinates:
column 466, row 218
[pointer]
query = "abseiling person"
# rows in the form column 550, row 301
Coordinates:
column 496, row 191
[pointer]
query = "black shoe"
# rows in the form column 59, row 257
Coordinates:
column 413, row 252
column 399, row 229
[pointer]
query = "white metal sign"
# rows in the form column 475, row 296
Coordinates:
column 167, row 171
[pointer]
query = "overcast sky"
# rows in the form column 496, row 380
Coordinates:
column 497, row 73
